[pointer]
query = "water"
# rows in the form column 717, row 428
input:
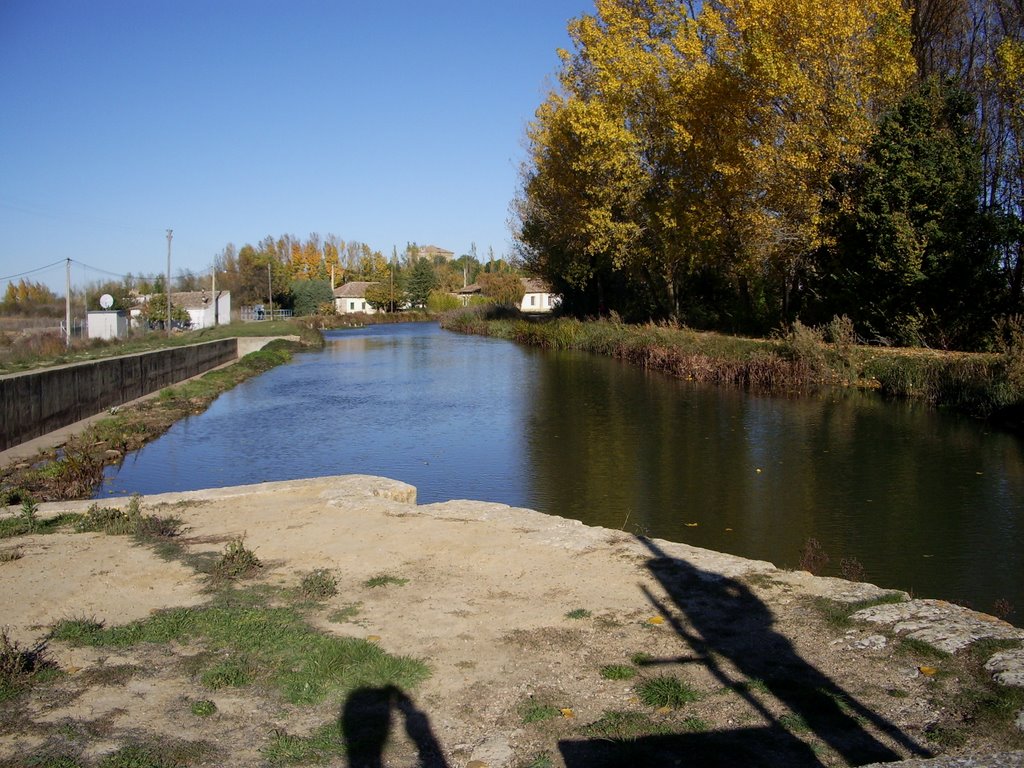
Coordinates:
column 925, row 501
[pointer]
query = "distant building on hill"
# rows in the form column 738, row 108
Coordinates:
column 432, row 251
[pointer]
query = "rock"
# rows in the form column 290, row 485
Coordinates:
column 495, row 752
column 943, row 625
column 1007, row 668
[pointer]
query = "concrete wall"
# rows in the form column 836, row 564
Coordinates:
column 37, row 402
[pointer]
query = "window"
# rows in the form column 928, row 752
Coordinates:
column 364, row 306
column 351, row 306
column 533, row 301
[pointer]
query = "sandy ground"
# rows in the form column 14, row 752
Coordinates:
column 485, row 605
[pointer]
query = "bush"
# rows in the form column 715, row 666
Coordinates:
column 237, row 562
column 319, row 584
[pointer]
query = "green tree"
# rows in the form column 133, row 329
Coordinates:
column 914, row 260
column 308, row 295
column 384, row 297
column 421, row 281
column 502, row 287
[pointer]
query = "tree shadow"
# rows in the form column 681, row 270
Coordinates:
column 724, row 623
column 366, row 724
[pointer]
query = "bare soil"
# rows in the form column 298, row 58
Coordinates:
column 515, row 612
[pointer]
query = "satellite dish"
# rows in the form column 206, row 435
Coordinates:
column 106, row 301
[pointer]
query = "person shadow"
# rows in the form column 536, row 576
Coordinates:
column 366, row 722
column 730, row 632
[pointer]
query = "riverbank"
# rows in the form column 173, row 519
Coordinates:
column 70, row 466
column 549, row 643
column 988, row 386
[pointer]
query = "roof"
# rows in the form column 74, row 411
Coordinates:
column 535, row 285
column 433, row 250
column 471, row 289
column 188, row 299
column 354, row 290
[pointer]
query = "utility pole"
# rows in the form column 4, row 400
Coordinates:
column 167, row 287
column 67, row 301
column 270, row 293
column 213, row 293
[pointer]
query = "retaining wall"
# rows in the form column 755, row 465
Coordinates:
column 37, row 402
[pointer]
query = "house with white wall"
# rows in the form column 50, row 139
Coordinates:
column 351, row 297
column 537, row 296
column 205, row 309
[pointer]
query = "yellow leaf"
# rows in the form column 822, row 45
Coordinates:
column 656, row 620
column 927, row 671
column 567, row 712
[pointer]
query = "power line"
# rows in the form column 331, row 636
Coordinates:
column 33, row 271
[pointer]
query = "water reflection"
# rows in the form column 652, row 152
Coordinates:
column 925, row 501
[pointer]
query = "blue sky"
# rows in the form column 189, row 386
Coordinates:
column 228, row 121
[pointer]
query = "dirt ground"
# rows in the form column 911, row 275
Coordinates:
column 516, row 613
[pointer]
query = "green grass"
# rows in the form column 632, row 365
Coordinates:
column 919, row 649
column 203, row 708
column 21, row 668
column 18, row 526
column 578, row 613
column 624, row 726
column 666, row 691
column 618, row 672
column 346, row 614
column 230, row 673
column 279, row 647
column 320, row 746
column 385, row 580
column 534, row 711
column 794, row 723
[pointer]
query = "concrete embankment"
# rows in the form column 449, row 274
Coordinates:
column 521, row 612
column 38, row 402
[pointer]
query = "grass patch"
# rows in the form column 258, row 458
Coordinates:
column 11, row 554
column 128, row 522
column 162, row 754
column 578, row 613
column 319, row 584
column 280, row 649
column 319, row 747
column 696, row 724
column 919, row 649
column 11, row 527
column 666, row 691
column 641, row 659
column 794, row 723
column 534, row 711
column 203, row 708
column 230, row 673
column 624, row 726
column 618, row 672
column 385, row 580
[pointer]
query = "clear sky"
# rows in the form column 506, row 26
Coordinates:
column 230, row 120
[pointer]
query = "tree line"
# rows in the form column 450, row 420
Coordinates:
column 740, row 164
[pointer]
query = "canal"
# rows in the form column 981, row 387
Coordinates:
column 924, row 501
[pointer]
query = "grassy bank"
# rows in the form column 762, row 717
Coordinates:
column 989, row 386
column 76, row 470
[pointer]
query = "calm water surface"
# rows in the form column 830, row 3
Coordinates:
column 927, row 502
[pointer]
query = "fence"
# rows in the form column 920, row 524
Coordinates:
column 259, row 313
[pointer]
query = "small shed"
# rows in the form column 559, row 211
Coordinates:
column 107, row 324
column 537, row 296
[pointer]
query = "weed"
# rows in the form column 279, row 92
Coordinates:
column 617, row 672
column 319, row 584
column 813, row 558
column 20, row 667
column 236, row 562
column 533, row 711
column 163, row 754
column 1002, row 609
column 30, row 514
column 641, row 659
column 9, row 555
column 851, row 569
column 755, row 685
column 385, row 580
column 896, row 693
column 115, row 674
column 666, row 691
column 578, row 613
column 203, row 708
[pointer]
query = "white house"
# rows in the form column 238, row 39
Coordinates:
column 538, row 297
column 204, row 310
column 351, row 297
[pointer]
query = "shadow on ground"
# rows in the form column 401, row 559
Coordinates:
column 730, row 631
column 366, row 722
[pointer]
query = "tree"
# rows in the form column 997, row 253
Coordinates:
column 385, row 297
column 914, row 260
column 502, row 288
column 308, row 295
column 421, row 281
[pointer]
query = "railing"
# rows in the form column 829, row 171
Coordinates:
column 259, row 314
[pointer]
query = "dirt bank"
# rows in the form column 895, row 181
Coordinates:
column 539, row 633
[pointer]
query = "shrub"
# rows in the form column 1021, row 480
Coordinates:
column 813, row 557
column 237, row 562
column 319, row 584
column 666, row 691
